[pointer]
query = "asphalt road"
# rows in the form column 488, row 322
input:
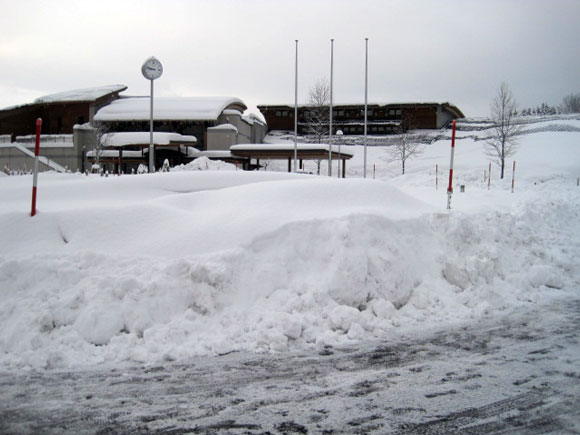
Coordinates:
column 512, row 374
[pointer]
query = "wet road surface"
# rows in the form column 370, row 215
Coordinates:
column 512, row 374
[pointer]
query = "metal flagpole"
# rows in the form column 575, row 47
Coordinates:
column 330, row 124
column 296, row 109
column 366, row 101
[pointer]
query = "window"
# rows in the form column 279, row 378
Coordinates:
column 398, row 112
column 278, row 113
column 391, row 112
column 341, row 113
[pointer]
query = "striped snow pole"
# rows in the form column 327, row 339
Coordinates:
column 35, row 176
column 513, row 175
column 450, row 187
column 489, row 177
column 436, row 176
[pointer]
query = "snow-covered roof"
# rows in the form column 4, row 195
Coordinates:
column 373, row 103
column 252, row 118
column 232, row 112
column 86, row 94
column 142, row 138
column 224, row 127
column 175, row 108
column 289, row 147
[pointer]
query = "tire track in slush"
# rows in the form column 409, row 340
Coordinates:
column 515, row 374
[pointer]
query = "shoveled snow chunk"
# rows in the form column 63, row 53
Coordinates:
column 98, row 324
column 343, row 316
column 546, row 275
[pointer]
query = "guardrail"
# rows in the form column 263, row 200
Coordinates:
column 46, row 138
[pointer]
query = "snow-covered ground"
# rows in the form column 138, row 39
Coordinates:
column 168, row 266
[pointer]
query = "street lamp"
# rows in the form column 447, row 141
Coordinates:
column 151, row 70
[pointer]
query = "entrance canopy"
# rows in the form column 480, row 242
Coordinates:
column 286, row 152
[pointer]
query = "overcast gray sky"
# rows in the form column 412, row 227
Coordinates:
column 448, row 50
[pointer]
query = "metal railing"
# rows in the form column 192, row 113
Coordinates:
column 46, row 138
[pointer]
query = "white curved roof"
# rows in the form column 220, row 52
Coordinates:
column 86, row 94
column 142, row 138
column 176, row 108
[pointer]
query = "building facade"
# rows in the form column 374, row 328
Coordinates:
column 74, row 122
column 381, row 118
column 59, row 112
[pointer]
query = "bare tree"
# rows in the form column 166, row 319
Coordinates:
column 571, row 104
column 316, row 114
column 101, row 131
column 503, row 142
column 406, row 148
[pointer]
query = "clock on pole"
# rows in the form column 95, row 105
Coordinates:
column 151, row 70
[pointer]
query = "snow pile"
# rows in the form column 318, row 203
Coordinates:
column 205, row 164
column 167, row 266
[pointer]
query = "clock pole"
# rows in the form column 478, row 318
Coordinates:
column 151, row 147
column 151, row 70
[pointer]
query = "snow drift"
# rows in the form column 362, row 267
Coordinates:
column 168, row 266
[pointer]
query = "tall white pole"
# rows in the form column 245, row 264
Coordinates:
column 330, row 124
column 366, row 101
column 151, row 150
column 296, row 109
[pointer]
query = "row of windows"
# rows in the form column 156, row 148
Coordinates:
column 337, row 113
column 370, row 129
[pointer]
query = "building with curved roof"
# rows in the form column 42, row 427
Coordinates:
column 77, row 120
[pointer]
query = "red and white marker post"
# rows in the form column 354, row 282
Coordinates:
column 450, row 187
column 35, row 176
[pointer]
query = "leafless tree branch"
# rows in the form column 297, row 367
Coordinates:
column 503, row 143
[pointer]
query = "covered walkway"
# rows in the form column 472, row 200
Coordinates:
column 286, row 152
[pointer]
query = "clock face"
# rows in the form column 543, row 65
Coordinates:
column 152, row 69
